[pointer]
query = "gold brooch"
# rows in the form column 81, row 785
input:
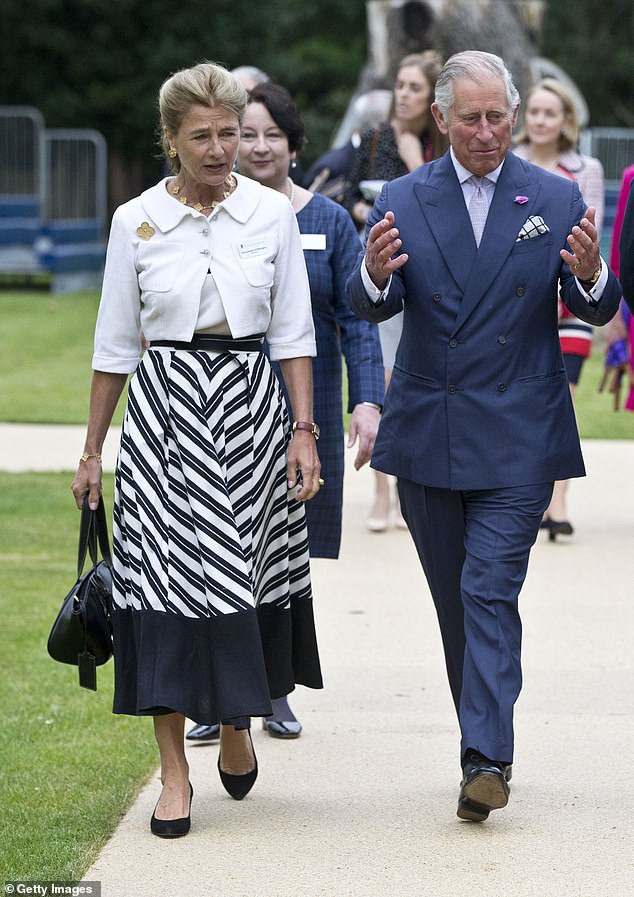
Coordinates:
column 145, row 231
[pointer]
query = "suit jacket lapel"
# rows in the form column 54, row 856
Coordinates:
column 442, row 203
column 504, row 222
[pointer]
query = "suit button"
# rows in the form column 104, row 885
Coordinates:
column 204, row 252
column 436, row 297
column 453, row 343
column 451, row 390
column 205, row 232
column 520, row 291
column 501, row 340
column 501, row 387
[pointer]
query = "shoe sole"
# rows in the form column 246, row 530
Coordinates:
column 482, row 794
column 471, row 812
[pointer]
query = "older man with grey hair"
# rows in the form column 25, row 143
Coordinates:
column 478, row 421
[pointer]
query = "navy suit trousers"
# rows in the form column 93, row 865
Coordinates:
column 474, row 547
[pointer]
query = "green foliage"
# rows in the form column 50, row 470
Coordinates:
column 593, row 44
column 91, row 63
column 68, row 767
column 88, row 63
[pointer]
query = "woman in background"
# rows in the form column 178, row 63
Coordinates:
column 392, row 149
column 549, row 139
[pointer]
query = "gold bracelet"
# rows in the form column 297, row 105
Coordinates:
column 87, row 455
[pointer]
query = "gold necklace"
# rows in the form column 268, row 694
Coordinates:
column 230, row 183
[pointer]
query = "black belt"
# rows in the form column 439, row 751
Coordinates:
column 215, row 343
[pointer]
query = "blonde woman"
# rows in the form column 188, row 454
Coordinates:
column 549, row 139
column 212, row 609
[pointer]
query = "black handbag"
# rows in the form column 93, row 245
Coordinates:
column 82, row 632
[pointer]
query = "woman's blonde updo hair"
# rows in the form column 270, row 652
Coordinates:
column 205, row 84
column 570, row 130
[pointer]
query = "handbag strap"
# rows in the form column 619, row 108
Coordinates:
column 93, row 530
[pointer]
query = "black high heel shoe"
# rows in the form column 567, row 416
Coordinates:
column 239, row 786
column 172, row 828
column 559, row 528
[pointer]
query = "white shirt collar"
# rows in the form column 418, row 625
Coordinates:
column 166, row 212
column 464, row 174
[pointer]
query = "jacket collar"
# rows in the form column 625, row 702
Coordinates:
column 166, row 212
column 439, row 193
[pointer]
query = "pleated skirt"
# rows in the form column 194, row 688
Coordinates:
column 213, row 612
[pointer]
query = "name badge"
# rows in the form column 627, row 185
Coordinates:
column 313, row 241
column 249, row 249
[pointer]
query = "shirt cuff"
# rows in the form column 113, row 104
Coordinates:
column 592, row 296
column 375, row 295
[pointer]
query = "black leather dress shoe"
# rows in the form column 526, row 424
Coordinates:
column 484, row 787
column 278, row 729
column 204, row 733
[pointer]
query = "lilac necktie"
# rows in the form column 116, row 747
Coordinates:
column 478, row 207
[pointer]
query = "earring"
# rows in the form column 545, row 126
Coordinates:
column 293, row 163
column 172, row 153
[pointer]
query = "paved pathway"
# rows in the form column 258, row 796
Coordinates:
column 363, row 804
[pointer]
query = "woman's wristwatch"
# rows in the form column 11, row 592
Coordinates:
column 311, row 426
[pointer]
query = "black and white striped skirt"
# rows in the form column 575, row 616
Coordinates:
column 213, row 605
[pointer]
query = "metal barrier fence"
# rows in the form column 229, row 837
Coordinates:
column 53, row 203
column 614, row 147
column 51, row 174
column 22, row 168
column 76, row 175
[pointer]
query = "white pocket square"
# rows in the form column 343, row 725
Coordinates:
column 532, row 227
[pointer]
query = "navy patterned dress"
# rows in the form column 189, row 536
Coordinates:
column 338, row 332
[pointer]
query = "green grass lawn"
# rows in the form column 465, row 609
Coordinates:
column 46, row 347
column 68, row 767
column 595, row 415
column 45, row 354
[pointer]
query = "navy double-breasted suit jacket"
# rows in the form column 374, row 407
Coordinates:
column 478, row 397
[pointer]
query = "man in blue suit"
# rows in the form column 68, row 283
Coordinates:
column 478, row 422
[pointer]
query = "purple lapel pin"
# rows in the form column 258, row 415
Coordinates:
column 520, row 200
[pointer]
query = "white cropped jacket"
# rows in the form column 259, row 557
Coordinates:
column 160, row 251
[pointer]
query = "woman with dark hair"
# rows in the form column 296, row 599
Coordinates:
column 271, row 136
column 212, row 613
